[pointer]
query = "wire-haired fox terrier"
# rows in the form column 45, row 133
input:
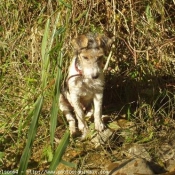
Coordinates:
column 85, row 82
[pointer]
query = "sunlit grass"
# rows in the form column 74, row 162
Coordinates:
column 35, row 49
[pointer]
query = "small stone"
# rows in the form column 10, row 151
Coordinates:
column 138, row 151
column 102, row 137
column 131, row 167
column 170, row 165
column 166, row 152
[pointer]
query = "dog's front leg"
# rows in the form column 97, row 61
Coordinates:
column 79, row 112
column 99, row 126
column 67, row 111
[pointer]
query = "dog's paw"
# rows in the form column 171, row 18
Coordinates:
column 84, row 129
column 99, row 126
column 82, row 126
column 72, row 127
column 89, row 114
column 84, row 134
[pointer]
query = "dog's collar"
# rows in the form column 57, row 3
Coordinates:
column 77, row 68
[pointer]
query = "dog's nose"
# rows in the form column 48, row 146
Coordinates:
column 94, row 76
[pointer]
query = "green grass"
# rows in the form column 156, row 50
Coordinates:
column 35, row 51
column 31, row 136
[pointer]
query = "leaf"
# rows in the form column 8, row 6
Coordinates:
column 66, row 4
column 148, row 138
column 45, row 55
column 2, row 155
column 45, row 39
column 149, row 16
column 54, row 110
column 59, row 152
column 47, row 153
column 69, row 164
column 114, row 125
column 31, row 135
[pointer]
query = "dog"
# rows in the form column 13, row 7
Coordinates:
column 85, row 82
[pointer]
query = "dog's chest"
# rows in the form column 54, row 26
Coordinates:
column 85, row 88
column 88, row 89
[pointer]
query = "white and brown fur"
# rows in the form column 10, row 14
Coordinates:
column 85, row 82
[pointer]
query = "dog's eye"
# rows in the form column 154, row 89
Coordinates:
column 100, row 58
column 86, row 58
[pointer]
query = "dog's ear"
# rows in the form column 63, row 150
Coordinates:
column 80, row 42
column 105, row 43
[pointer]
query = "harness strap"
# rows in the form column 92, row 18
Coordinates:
column 76, row 66
column 75, row 75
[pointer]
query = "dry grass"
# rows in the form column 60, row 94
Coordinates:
column 140, row 77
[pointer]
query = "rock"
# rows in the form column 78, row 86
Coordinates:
column 170, row 165
column 166, row 152
column 102, row 137
column 137, row 151
column 131, row 167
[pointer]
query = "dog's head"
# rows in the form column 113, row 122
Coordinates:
column 91, row 50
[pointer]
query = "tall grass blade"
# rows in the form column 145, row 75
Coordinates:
column 45, row 55
column 54, row 31
column 149, row 16
column 69, row 164
column 31, row 135
column 59, row 152
column 45, row 39
column 38, row 105
column 54, row 110
column 66, row 4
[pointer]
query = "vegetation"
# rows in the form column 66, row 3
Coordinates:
column 35, row 50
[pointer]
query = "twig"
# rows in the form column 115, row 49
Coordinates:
column 114, row 33
column 107, row 62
